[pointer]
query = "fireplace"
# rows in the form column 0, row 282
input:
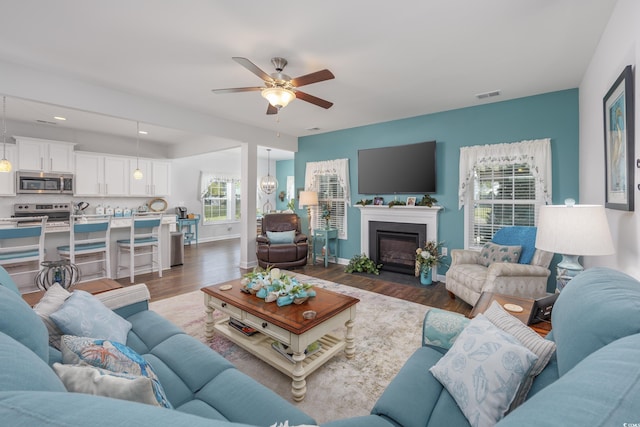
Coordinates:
column 394, row 244
column 426, row 217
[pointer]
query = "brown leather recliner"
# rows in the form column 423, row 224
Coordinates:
column 281, row 244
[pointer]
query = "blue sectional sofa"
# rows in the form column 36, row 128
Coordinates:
column 593, row 379
column 202, row 386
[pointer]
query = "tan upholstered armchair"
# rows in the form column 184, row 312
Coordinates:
column 281, row 244
column 469, row 276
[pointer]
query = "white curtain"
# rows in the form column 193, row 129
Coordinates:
column 206, row 178
column 339, row 167
column 535, row 153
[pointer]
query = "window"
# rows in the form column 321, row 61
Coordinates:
column 220, row 198
column 330, row 199
column 503, row 185
column 502, row 196
column 330, row 179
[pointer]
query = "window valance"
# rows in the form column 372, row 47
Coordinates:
column 534, row 153
column 338, row 167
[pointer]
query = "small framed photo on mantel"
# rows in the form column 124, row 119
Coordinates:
column 619, row 153
column 411, row 201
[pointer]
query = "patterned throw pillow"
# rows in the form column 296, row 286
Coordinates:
column 483, row 371
column 51, row 302
column 84, row 315
column 101, row 382
column 541, row 347
column 110, row 356
column 491, row 253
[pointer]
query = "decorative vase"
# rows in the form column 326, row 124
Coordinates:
column 425, row 276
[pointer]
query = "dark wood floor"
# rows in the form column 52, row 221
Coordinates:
column 216, row 262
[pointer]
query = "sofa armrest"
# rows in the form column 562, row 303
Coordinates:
column 440, row 328
column 464, row 256
column 515, row 270
column 300, row 238
column 118, row 298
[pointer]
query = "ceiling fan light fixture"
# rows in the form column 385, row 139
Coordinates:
column 279, row 97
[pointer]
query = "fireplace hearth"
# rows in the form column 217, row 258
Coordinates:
column 394, row 244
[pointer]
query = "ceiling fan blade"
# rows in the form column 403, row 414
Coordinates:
column 313, row 99
column 307, row 79
column 253, row 68
column 271, row 109
column 237, row 89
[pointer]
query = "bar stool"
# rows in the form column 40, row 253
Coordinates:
column 145, row 235
column 89, row 235
column 22, row 243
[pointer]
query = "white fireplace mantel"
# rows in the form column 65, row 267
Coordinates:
column 403, row 214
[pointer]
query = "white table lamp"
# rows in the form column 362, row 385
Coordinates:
column 573, row 231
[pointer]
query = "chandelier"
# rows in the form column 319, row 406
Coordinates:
column 268, row 183
column 5, row 165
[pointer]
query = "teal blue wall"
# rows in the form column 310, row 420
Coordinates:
column 552, row 115
column 284, row 168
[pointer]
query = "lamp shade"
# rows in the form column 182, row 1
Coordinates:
column 574, row 230
column 278, row 97
column 308, row 198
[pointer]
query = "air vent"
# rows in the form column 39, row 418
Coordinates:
column 45, row 122
column 488, row 94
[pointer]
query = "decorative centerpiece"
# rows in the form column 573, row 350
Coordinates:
column 273, row 285
column 427, row 258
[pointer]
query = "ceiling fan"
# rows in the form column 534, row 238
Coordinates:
column 280, row 89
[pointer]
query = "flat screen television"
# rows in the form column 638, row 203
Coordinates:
column 402, row 169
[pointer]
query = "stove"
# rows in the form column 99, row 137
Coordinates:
column 58, row 213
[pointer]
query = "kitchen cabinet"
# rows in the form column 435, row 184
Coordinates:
column 42, row 155
column 8, row 180
column 100, row 175
column 156, row 178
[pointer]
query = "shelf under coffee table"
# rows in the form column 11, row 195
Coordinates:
column 285, row 325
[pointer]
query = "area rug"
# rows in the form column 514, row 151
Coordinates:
column 388, row 330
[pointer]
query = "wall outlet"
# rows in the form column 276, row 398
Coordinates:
column 444, row 251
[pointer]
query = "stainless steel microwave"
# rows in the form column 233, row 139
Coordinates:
column 44, row 183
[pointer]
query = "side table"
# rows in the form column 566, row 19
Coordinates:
column 187, row 223
column 486, row 298
column 328, row 240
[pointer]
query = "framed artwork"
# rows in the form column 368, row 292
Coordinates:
column 619, row 143
column 379, row 201
column 411, row 201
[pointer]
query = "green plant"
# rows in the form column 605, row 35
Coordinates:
column 292, row 204
column 430, row 255
column 427, row 200
column 397, row 203
column 364, row 202
column 362, row 264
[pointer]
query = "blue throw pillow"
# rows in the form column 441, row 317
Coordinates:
column 84, row 315
column 281, row 236
column 518, row 235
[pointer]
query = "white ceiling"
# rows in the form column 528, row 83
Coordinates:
column 391, row 60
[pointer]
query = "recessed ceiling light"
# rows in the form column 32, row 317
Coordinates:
column 60, row 118
column 143, row 132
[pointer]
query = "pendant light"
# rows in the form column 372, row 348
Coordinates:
column 5, row 165
column 268, row 184
column 137, row 174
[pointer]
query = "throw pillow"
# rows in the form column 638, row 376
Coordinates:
column 101, row 382
column 491, row 253
column 483, row 371
column 51, row 302
column 110, row 356
column 541, row 347
column 84, row 315
column 277, row 237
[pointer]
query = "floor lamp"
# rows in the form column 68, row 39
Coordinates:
column 573, row 231
column 308, row 199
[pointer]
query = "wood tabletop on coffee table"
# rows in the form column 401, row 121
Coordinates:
column 326, row 304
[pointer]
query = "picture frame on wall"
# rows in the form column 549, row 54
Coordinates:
column 619, row 143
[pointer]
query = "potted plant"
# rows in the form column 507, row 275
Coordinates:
column 428, row 257
column 362, row 264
